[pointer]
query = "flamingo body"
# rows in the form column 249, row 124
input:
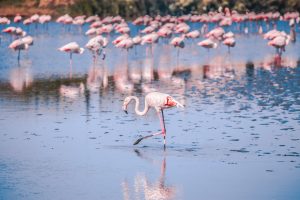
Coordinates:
column 208, row 43
column 178, row 41
column 71, row 47
column 158, row 101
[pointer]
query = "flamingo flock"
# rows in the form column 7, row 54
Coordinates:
column 176, row 29
column 214, row 30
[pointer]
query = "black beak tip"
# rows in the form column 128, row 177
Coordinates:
column 126, row 111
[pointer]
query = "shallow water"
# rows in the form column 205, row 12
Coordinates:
column 237, row 137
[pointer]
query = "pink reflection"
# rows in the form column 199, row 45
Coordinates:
column 71, row 91
column 271, row 61
column 20, row 78
column 143, row 188
column 97, row 78
column 122, row 83
column 148, row 75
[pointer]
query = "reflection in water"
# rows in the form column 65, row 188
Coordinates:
column 97, row 78
column 142, row 77
column 20, row 78
column 71, row 91
column 143, row 188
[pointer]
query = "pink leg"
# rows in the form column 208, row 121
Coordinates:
column 162, row 124
column 71, row 68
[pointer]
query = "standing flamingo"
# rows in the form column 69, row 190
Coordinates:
column 19, row 45
column 71, row 48
column 208, row 43
column 96, row 45
column 159, row 101
column 279, row 43
column 229, row 40
column 179, row 43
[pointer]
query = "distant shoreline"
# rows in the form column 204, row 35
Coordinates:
column 11, row 11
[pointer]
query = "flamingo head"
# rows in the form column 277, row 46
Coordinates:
column 125, row 104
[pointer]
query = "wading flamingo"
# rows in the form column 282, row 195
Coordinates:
column 18, row 45
column 71, row 48
column 96, row 46
column 159, row 101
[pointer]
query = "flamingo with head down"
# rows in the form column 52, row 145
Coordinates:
column 159, row 101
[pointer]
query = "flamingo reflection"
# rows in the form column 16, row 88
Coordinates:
column 144, row 189
column 71, row 91
column 20, row 78
column 97, row 78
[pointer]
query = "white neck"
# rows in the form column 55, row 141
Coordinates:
column 137, row 104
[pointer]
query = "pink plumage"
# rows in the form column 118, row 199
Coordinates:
column 158, row 101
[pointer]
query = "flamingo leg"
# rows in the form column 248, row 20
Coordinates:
column 145, row 137
column 162, row 132
column 177, row 58
column 163, row 126
column 19, row 51
column 71, row 68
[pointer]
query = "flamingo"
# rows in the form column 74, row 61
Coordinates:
column 4, row 20
column 96, row 45
column 159, row 101
column 279, row 43
column 230, row 42
column 208, row 43
column 216, row 33
column 19, row 45
column 150, row 39
column 178, row 42
column 120, row 38
column 193, row 34
column 17, row 18
column 136, row 41
column 71, row 48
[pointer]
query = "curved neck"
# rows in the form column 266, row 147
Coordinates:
column 137, row 105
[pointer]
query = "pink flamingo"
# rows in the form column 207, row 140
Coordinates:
column 120, row 38
column 96, row 45
column 17, row 18
column 19, row 45
column 208, row 43
column 230, row 42
column 4, row 20
column 279, row 43
column 71, row 48
column 159, row 101
column 150, row 39
column 217, row 33
column 164, row 32
column 178, row 42
column 136, row 41
column 193, row 34
column 148, row 29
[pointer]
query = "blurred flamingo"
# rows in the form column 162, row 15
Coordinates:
column 20, row 44
column 159, row 101
column 17, row 18
column 279, row 43
column 229, row 40
column 71, row 48
column 150, row 39
column 96, row 45
column 208, row 43
column 179, row 43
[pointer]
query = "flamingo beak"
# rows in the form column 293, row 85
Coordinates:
column 125, row 109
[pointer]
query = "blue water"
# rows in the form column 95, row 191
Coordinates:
column 237, row 137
